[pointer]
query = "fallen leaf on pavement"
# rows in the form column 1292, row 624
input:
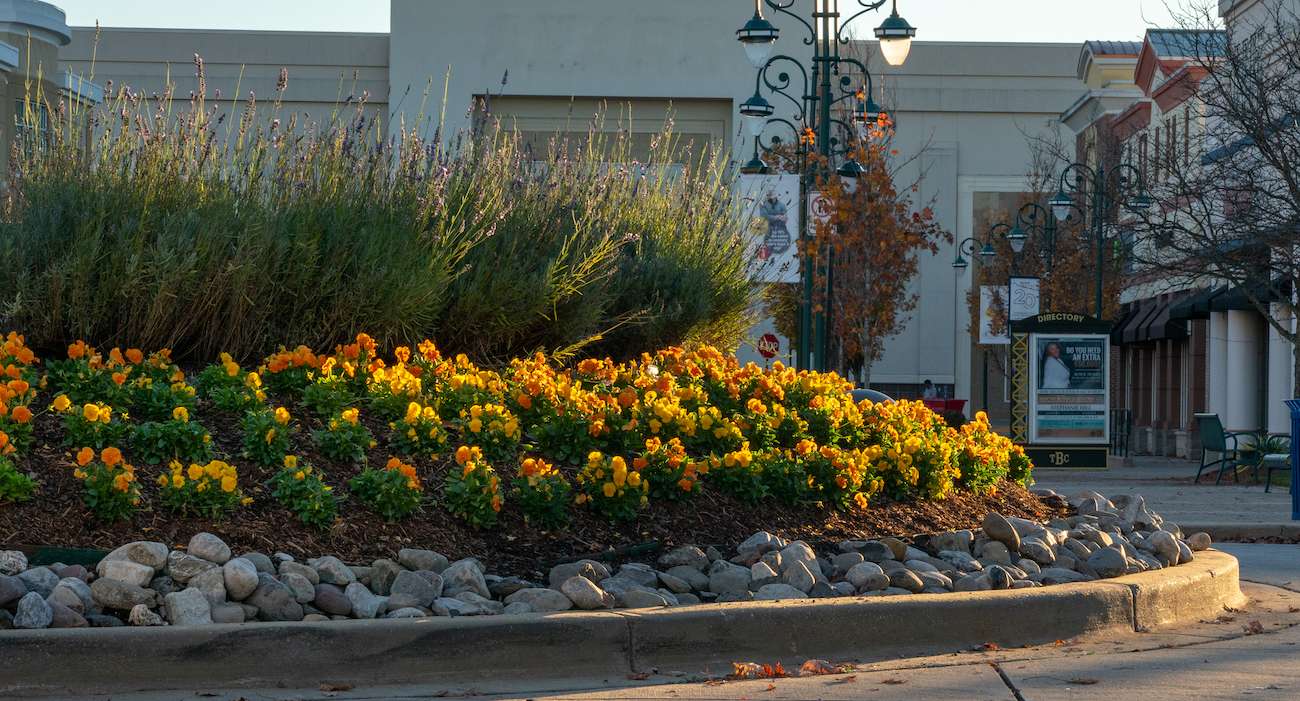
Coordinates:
column 991, row 647
column 893, row 680
column 1253, row 628
column 753, row 670
column 639, row 676
column 815, row 667
column 770, row 687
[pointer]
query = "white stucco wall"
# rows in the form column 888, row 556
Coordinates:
column 966, row 108
column 325, row 68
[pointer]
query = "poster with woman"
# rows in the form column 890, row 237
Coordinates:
column 1069, row 399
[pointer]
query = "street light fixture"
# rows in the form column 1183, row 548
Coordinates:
column 895, row 36
column 816, row 130
column 1017, row 238
column 1105, row 189
column 967, row 247
column 759, row 37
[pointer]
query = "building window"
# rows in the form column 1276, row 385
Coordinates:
column 1157, row 166
column 1142, row 156
column 31, row 121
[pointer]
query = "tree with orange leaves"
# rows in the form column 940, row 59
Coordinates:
column 868, row 252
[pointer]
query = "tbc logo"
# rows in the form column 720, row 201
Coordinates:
column 1059, row 458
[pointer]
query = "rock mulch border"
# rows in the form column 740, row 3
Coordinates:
column 148, row 584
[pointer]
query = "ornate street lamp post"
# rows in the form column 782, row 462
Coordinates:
column 812, row 126
column 1102, row 189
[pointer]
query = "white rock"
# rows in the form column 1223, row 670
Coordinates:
column 188, row 608
column 240, row 577
column 126, row 571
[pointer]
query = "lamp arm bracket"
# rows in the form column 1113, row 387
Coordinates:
column 868, row 6
column 783, row 6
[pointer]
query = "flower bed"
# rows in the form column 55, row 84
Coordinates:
column 347, row 447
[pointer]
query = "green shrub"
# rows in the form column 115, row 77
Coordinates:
column 302, row 489
column 266, row 435
column 14, row 485
column 344, row 438
column 394, row 492
column 156, row 442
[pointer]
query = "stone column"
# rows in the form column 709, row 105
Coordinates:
column 1245, row 344
column 1281, row 368
column 1216, row 365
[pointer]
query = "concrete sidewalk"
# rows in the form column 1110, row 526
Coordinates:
column 1238, row 654
column 1167, row 486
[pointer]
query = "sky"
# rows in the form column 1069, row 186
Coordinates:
column 938, row 20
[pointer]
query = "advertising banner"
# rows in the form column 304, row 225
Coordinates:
column 1069, row 388
column 772, row 210
column 993, row 300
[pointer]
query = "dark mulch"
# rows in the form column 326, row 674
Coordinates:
column 57, row 517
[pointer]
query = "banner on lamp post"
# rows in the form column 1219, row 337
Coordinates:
column 1023, row 300
column 993, row 304
column 773, row 220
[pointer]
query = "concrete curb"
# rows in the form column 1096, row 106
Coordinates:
column 603, row 644
column 1245, row 532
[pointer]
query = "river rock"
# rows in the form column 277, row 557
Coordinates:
column 1108, row 562
column 1199, row 541
column 142, row 615
column 590, row 569
column 331, row 570
column 489, row 606
column 998, row 528
column 274, row 600
column 1165, row 546
column 541, row 600
column 686, row 555
column 867, row 576
column 424, row 586
column 1057, row 575
column 12, row 562
column 674, row 584
column 799, row 576
column 777, row 592
column 212, row 583
column 331, row 599
column 260, row 561
column 41, row 580
column 959, row 541
column 188, row 608
column 33, row 612
column 906, row 579
column 726, row 578
column 11, row 589
column 697, row 580
column 183, row 566
column 449, row 606
column 304, row 571
column 980, row 581
column 143, row 552
column 585, row 594
column 364, row 603
column 760, row 543
column 227, row 613
column 112, row 594
column 383, row 572
column 466, row 575
column 73, row 593
column 240, row 578
column 642, row 599
column 303, row 591
column 426, row 560
column 126, row 571
column 210, row 548
column 1038, row 551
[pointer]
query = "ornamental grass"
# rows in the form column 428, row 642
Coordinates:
column 205, row 225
